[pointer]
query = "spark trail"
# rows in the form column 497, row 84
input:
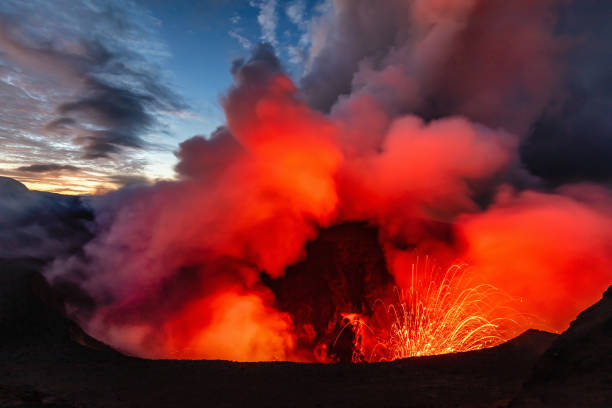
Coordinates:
column 440, row 312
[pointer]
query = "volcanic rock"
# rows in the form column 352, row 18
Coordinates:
column 44, row 364
column 576, row 371
column 343, row 272
column 32, row 316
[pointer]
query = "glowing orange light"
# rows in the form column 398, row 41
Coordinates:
column 439, row 313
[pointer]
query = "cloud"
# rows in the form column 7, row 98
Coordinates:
column 118, row 117
column 267, row 19
column 47, row 167
column 40, row 225
column 296, row 12
column 297, row 52
column 242, row 40
column 572, row 139
column 552, row 250
column 340, row 38
column 236, row 33
column 412, row 117
column 123, row 180
column 84, row 85
column 269, row 174
column 439, row 56
column 260, row 187
column 206, row 157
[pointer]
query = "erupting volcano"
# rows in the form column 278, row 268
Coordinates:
column 346, row 306
column 232, row 260
column 436, row 315
column 388, row 200
column 314, row 202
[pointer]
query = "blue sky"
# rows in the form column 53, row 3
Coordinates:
column 167, row 60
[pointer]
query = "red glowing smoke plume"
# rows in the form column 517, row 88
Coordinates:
column 187, row 269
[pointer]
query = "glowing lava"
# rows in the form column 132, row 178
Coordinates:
column 440, row 312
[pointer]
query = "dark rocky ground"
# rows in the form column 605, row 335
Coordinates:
column 576, row 371
column 47, row 361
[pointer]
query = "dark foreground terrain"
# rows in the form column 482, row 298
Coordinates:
column 47, row 361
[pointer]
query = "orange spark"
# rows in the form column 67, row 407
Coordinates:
column 438, row 313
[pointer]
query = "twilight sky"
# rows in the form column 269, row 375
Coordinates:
column 99, row 93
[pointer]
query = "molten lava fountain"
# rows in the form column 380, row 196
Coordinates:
column 346, row 306
column 440, row 312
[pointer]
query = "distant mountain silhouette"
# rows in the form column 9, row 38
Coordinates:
column 11, row 188
column 33, row 319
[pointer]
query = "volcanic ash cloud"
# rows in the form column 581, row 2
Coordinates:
column 415, row 129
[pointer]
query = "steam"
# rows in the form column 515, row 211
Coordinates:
column 40, row 225
column 438, row 58
column 410, row 115
column 551, row 250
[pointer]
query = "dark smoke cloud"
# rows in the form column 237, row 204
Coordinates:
column 122, row 113
column 262, row 63
column 538, row 69
column 204, row 157
column 356, row 30
column 572, row 139
column 47, row 167
column 128, row 179
column 438, row 58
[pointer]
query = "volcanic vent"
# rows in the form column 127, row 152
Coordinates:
column 343, row 273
